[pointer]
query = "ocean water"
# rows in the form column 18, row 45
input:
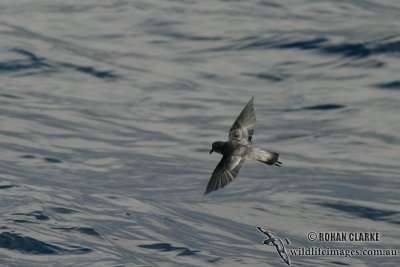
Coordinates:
column 108, row 110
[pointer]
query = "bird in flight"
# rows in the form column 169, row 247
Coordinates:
column 274, row 240
column 238, row 149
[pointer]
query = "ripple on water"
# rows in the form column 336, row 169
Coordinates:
column 32, row 62
column 265, row 76
column 52, row 160
column 84, row 230
column 340, row 263
column 38, row 215
column 324, row 107
column 320, row 44
column 10, row 96
column 394, row 85
column 29, row 245
column 47, row 159
column 63, row 210
column 166, row 247
column 28, row 157
column 364, row 212
column 6, row 185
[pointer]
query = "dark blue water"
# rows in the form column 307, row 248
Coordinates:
column 108, row 110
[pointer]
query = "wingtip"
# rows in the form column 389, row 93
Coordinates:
column 262, row 229
column 251, row 100
column 207, row 191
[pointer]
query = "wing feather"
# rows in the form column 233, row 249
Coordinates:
column 243, row 128
column 226, row 170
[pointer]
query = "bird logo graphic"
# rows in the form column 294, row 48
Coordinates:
column 274, row 240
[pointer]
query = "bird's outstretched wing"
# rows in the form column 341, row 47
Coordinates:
column 277, row 242
column 226, row 170
column 285, row 257
column 243, row 127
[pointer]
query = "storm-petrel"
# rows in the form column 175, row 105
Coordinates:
column 237, row 149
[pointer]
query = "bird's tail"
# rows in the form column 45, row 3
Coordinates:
column 270, row 158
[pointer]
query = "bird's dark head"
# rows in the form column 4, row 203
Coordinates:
column 217, row 147
column 267, row 241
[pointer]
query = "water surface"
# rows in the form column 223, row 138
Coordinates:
column 108, row 110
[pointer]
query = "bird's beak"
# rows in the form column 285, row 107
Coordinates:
column 211, row 150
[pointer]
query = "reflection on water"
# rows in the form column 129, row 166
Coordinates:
column 108, row 111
